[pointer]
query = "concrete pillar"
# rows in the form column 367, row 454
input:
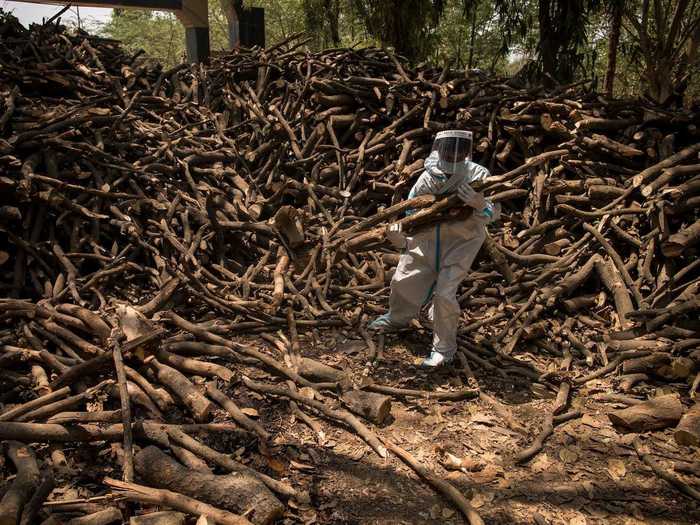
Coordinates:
column 194, row 15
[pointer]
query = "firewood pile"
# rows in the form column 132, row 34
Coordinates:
column 150, row 217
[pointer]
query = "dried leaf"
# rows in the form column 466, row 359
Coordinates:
column 540, row 463
column 307, row 392
column 300, row 466
column 567, row 455
column 591, row 421
column 481, row 498
column 276, row 465
column 484, row 419
column 616, row 469
column 132, row 322
column 251, row 412
column 487, row 475
column 466, row 464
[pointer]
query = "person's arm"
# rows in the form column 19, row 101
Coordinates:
column 484, row 208
column 421, row 187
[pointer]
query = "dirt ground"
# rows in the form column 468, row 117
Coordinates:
column 587, row 473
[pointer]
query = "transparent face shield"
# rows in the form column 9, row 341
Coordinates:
column 453, row 148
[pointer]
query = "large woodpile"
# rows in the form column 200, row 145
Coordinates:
column 148, row 216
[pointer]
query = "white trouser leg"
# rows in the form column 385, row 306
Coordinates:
column 446, row 309
column 412, row 282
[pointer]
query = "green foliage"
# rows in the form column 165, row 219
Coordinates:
column 160, row 34
column 406, row 25
column 569, row 40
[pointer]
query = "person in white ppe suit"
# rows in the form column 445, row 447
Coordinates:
column 436, row 260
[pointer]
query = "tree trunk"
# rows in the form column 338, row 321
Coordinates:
column 231, row 9
column 333, row 12
column 613, row 42
column 470, row 63
column 547, row 44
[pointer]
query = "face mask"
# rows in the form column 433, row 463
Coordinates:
column 453, row 150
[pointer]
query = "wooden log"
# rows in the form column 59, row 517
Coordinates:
column 124, row 400
column 24, row 484
column 646, row 365
column 63, row 404
column 17, row 411
column 189, row 459
column 183, row 389
column 103, row 416
column 238, row 492
column 101, row 517
column 194, row 366
column 458, row 395
column 656, row 169
column 628, row 381
column 159, row 396
column 84, row 369
column 654, row 414
column 225, row 461
column 687, row 432
column 338, row 415
column 613, row 282
column 100, row 328
column 134, row 492
column 375, row 407
column 148, row 430
column 679, row 242
column 165, row 517
column 30, row 512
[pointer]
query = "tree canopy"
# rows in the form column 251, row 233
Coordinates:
column 628, row 47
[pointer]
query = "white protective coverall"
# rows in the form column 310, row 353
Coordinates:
column 436, row 260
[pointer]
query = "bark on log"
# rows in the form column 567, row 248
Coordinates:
column 678, row 243
column 375, row 407
column 687, row 432
column 166, row 517
column 160, row 497
column 44, row 400
column 102, row 517
column 646, row 365
column 31, row 510
column 24, row 485
column 238, row 492
column 182, row 388
column 657, row 413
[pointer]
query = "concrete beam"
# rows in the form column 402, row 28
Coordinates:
column 194, row 15
column 160, row 5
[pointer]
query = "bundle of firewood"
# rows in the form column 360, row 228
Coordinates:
column 148, row 215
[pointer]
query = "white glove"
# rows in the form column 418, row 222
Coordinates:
column 491, row 213
column 395, row 237
column 470, row 197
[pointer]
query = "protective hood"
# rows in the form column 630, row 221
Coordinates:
column 453, row 147
column 466, row 171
